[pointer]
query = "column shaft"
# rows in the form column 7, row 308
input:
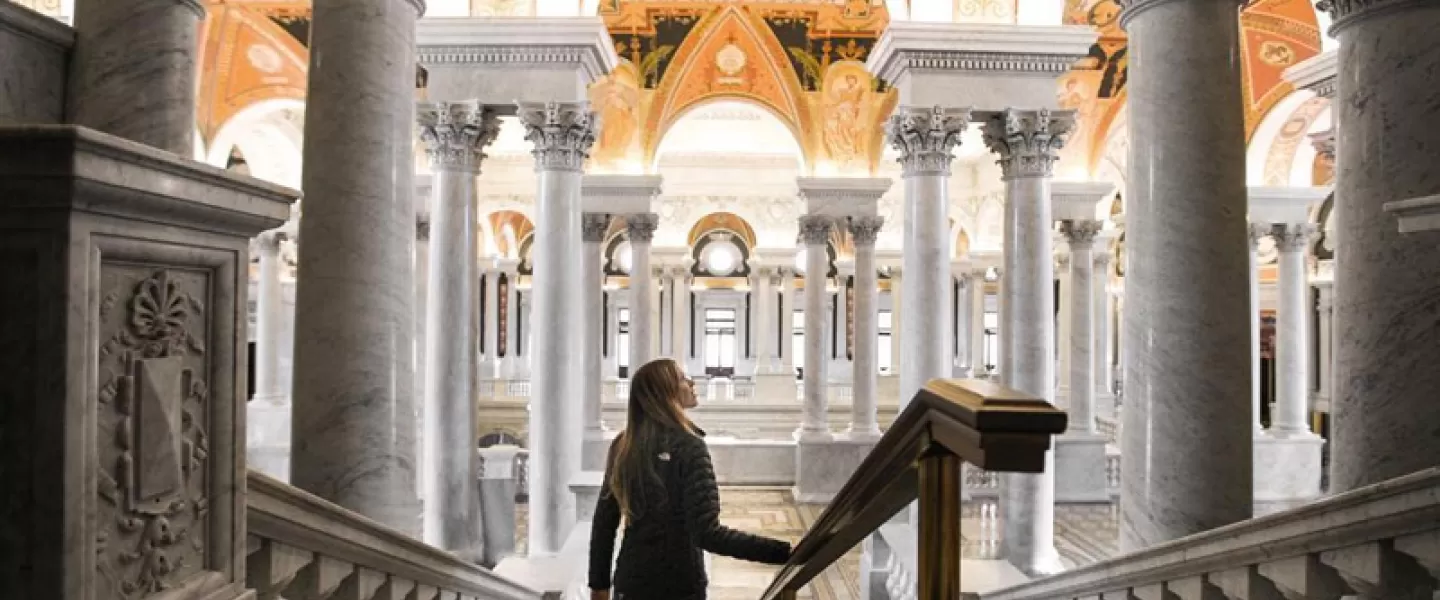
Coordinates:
column 964, row 323
column 267, row 430
column 1187, row 381
column 563, row 134
column 593, row 228
column 897, row 309
column 1292, row 335
column 680, row 314
column 490, row 313
column 1256, row 232
column 1325, row 306
column 1104, row 316
column 133, row 71
column 762, row 326
column 642, row 289
column 787, row 322
column 977, row 318
column 863, row 423
column 1081, row 235
column 815, row 233
column 354, row 387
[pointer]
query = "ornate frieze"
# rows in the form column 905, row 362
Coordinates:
column 1080, row 232
column 593, row 227
column 864, row 230
column 1004, row 62
column 1027, row 141
column 456, row 134
column 1293, row 237
column 562, row 133
column 641, row 226
column 926, row 137
column 815, row 229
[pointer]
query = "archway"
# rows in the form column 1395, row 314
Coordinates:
column 269, row 135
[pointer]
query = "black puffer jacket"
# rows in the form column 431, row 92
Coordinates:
column 662, row 555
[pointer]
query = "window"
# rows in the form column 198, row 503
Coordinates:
column 720, row 342
column 885, row 324
column 721, row 259
column 622, row 340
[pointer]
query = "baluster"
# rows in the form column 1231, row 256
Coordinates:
column 423, row 592
column 1424, row 548
column 1375, row 571
column 360, row 585
column 1245, row 583
column 395, row 588
column 1157, row 591
column 1195, row 588
column 271, row 568
column 1304, row 578
column 319, row 579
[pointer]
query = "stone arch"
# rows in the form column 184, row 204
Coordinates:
column 721, row 221
column 503, row 233
column 1280, row 152
column 269, row 135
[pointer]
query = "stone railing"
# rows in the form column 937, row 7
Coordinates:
column 1378, row 542
column 1110, row 428
column 490, row 389
column 978, row 482
column 1112, row 473
column 304, row 548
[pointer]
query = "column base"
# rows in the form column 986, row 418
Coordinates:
column 813, row 436
column 1287, row 472
column 870, row 434
column 823, row 466
column 1080, row 468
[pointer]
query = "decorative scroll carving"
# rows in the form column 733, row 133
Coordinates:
column 815, row 229
column 864, row 230
column 1081, row 231
column 152, row 443
column 1259, row 231
column 926, row 137
column 562, row 133
column 1028, row 141
column 593, row 227
column 456, row 134
column 1293, row 237
column 642, row 226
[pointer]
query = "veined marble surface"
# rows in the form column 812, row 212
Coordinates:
column 35, row 47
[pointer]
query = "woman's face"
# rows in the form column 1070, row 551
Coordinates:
column 687, row 397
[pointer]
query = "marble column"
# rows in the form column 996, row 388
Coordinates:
column 1104, row 334
column 1186, row 437
column 610, row 365
column 490, row 315
column 897, row 311
column 787, row 321
column 964, row 324
column 863, row 423
column 1387, row 297
column 133, row 70
column 837, row 346
column 1028, row 143
column 1063, row 319
column 977, row 320
column 1257, row 231
column 511, row 363
column 680, row 312
column 1292, row 334
column 641, row 229
column 762, row 325
column 354, row 388
column 455, row 135
column 926, row 138
column 563, row 133
column 815, row 234
column 267, row 429
column 593, row 227
column 1325, row 336
column 1081, row 237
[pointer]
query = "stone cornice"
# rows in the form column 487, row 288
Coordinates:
column 909, row 45
column 842, row 196
column 1343, row 13
column 521, row 42
column 1416, row 214
column 1316, row 74
column 1078, row 199
column 1279, row 204
column 617, row 194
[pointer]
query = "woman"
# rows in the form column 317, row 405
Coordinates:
column 659, row 482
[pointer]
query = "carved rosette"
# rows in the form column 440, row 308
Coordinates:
column 1293, row 237
column 1080, row 232
column 593, row 227
column 456, row 134
column 641, row 227
column 562, row 133
column 1028, row 141
column 926, row 137
column 152, row 445
column 815, row 229
column 864, row 230
column 1259, row 231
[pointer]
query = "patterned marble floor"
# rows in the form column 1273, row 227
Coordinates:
column 1084, row 533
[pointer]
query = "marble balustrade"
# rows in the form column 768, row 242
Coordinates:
column 1379, row 541
column 304, row 548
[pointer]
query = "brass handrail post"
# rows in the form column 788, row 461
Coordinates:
column 939, row 531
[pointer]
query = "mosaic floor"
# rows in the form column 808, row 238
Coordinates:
column 1083, row 534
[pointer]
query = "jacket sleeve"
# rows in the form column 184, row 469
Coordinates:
column 602, row 533
column 702, row 514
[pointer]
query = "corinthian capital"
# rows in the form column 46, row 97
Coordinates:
column 456, row 134
column 926, row 137
column 1324, row 143
column 864, row 230
column 1345, row 12
column 642, row 226
column 1080, row 232
column 593, row 227
column 1028, row 141
column 815, row 229
column 1293, row 237
column 1259, row 231
column 562, row 133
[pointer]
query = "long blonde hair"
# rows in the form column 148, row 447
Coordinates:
column 654, row 413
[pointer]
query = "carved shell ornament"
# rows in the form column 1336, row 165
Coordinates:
column 153, row 448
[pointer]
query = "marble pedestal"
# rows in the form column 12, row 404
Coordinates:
column 497, row 502
column 822, row 468
column 123, row 342
column 586, row 486
column 1287, row 472
column 267, row 436
column 1080, row 468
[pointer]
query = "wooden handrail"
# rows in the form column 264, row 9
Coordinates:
column 990, row 426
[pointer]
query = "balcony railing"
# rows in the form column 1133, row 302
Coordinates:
column 949, row 422
column 304, row 548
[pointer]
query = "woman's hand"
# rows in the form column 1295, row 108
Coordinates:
column 599, row 594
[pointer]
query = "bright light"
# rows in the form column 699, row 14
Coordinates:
column 800, row 260
column 721, row 258
column 622, row 256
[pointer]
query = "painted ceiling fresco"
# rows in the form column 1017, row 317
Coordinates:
column 803, row 62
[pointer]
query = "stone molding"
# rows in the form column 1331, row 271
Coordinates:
column 1129, row 9
column 593, row 227
column 926, row 137
column 842, row 196
column 22, row 20
column 1028, row 141
column 1416, row 214
column 641, row 227
column 562, row 133
column 456, row 134
column 864, row 230
column 1317, row 74
column 619, row 194
column 518, row 42
column 1081, row 232
column 1293, row 237
column 815, row 229
column 1344, row 13
column 1324, row 143
column 915, row 45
